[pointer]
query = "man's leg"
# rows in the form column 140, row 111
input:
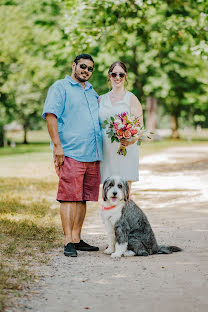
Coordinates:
column 72, row 217
column 78, row 221
column 68, row 212
column 91, row 184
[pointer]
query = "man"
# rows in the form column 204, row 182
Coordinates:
column 71, row 112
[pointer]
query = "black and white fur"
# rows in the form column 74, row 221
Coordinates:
column 129, row 231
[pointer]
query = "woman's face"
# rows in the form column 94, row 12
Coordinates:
column 117, row 76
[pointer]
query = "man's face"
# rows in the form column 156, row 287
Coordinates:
column 83, row 70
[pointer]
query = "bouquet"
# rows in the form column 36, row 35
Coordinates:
column 123, row 126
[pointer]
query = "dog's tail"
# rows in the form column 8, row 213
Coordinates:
column 168, row 249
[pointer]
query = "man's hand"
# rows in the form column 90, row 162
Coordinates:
column 58, row 155
column 58, row 158
column 58, row 151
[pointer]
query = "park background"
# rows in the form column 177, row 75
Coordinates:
column 164, row 45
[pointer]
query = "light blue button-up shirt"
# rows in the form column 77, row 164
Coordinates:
column 76, row 109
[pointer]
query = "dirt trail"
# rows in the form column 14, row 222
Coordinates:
column 173, row 192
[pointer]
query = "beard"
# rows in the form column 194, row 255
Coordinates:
column 79, row 78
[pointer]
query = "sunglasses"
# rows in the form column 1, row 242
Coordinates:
column 121, row 75
column 84, row 66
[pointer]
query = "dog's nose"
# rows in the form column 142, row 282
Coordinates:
column 114, row 193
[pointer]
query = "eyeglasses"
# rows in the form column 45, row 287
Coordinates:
column 121, row 75
column 84, row 66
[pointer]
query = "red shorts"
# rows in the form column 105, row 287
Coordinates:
column 79, row 181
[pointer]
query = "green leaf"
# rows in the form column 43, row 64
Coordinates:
column 104, row 124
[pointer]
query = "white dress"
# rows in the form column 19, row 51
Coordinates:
column 113, row 163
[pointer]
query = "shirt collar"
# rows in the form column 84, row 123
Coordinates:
column 74, row 82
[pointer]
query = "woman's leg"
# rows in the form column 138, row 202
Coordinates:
column 130, row 183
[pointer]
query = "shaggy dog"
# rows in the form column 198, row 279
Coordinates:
column 129, row 231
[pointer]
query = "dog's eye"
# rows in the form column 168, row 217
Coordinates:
column 111, row 184
column 120, row 186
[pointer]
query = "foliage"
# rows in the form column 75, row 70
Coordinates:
column 163, row 42
column 27, row 59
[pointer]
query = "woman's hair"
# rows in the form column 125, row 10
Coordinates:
column 119, row 63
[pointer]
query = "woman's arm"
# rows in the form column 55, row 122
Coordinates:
column 136, row 110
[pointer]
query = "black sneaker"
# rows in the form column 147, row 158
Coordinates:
column 69, row 250
column 85, row 247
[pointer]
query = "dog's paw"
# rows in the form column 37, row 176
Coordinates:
column 129, row 253
column 108, row 251
column 116, row 255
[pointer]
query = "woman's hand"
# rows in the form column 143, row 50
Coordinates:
column 141, row 137
column 126, row 142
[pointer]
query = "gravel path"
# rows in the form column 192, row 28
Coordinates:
column 173, row 192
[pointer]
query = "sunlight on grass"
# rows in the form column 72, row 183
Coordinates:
column 29, row 214
column 30, row 226
column 147, row 148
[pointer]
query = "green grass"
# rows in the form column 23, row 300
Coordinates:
column 25, row 148
column 30, row 226
column 29, row 215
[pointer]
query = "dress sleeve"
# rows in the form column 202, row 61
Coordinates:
column 55, row 101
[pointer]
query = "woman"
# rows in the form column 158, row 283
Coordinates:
column 117, row 101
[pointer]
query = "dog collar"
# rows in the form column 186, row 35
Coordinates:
column 108, row 208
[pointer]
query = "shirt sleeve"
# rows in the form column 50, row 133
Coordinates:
column 54, row 102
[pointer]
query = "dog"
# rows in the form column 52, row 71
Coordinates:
column 128, row 229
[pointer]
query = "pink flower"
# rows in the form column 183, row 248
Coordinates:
column 134, row 131
column 128, row 126
column 115, row 126
column 120, row 133
column 124, row 121
column 120, row 137
column 127, row 134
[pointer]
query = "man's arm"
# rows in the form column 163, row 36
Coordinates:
column 58, row 151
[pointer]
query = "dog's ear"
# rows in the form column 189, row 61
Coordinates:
column 126, row 190
column 104, row 191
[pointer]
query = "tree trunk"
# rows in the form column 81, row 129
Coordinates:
column 25, row 134
column 151, row 113
column 2, row 138
column 134, row 68
column 174, row 127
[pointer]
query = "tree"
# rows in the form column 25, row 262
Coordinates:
column 158, row 40
column 28, row 58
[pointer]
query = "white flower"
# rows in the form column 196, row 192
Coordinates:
column 120, row 126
